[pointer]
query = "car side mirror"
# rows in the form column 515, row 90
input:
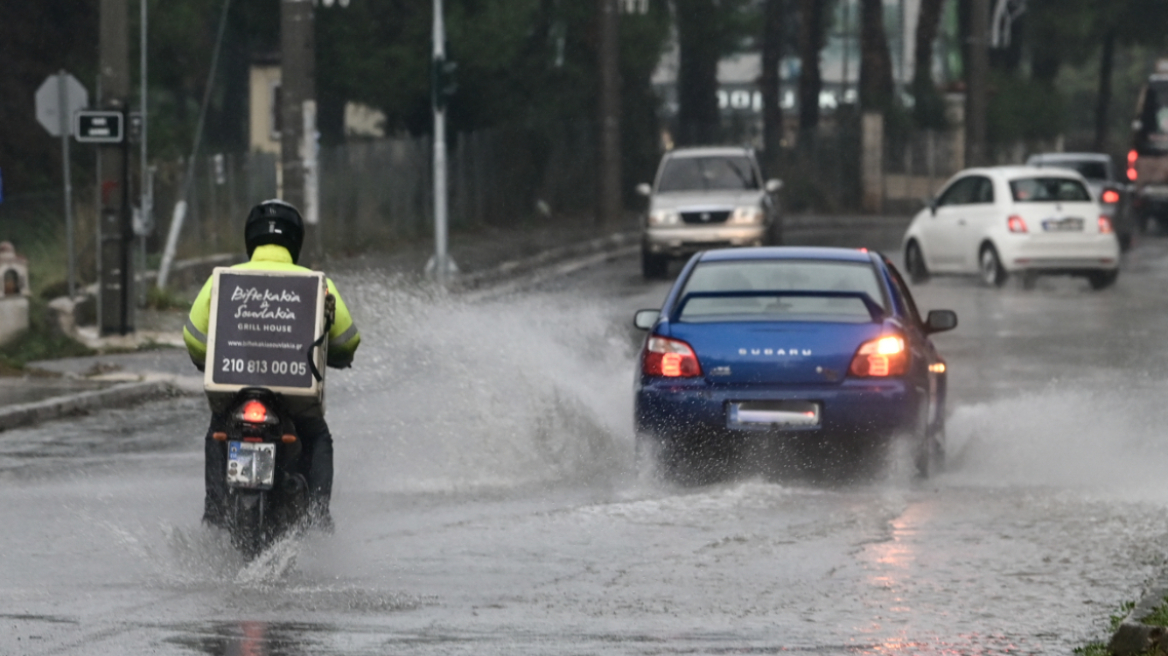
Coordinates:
column 644, row 319
column 773, row 185
column 939, row 321
column 644, row 189
column 931, row 203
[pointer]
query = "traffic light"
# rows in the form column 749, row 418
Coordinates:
column 443, row 84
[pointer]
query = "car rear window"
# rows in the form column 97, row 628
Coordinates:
column 708, row 173
column 754, row 278
column 1048, row 190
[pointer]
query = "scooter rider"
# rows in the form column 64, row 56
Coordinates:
column 273, row 234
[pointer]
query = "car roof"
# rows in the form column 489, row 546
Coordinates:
column 1069, row 157
column 787, row 253
column 1015, row 171
column 706, row 151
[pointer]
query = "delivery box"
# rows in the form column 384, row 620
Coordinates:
column 266, row 331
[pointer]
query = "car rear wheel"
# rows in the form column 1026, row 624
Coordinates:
column 1102, row 279
column 992, row 272
column 653, row 266
column 914, row 261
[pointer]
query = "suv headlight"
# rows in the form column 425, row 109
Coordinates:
column 746, row 215
column 664, row 217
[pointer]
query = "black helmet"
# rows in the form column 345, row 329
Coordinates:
column 274, row 222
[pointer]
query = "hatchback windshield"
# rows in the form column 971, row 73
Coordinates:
column 742, row 287
column 708, row 173
column 1048, row 190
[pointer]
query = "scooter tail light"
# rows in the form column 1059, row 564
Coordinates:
column 671, row 358
column 1016, row 224
column 879, row 358
column 1105, row 227
column 255, row 412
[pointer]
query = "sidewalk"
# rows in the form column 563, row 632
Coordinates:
column 487, row 256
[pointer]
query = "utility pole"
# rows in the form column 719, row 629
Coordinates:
column 115, row 222
column 977, row 83
column 611, row 204
column 297, row 86
column 440, row 265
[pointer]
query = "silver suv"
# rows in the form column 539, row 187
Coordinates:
column 706, row 198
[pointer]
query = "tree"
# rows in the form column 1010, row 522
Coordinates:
column 772, row 55
column 929, row 107
column 1122, row 23
column 707, row 30
column 875, row 61
column 811, row 37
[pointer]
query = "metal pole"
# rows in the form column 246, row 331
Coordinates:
column 146, row 197
column 66, row 131
column 439, row 156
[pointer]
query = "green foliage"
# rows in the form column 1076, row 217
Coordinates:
column 1022, row 109
column 165, row 299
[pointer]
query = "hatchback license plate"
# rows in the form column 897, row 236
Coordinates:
column 760, row 415
column 251, row 465
column 1068, row 224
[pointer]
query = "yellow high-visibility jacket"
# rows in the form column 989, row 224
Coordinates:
column 343, row 336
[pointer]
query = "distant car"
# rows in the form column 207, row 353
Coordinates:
column 1147, row 161
column 706, row 198
column 999, row 221
column 1106, row 187
column 820, row 349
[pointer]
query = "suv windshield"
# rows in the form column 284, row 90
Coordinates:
column 753, row 278
column 1048, row 190
column 708, row 173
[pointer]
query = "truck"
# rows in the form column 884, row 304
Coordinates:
column 1147, row 161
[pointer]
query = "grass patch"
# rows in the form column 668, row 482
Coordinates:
column 165, row 299
column 1159, row 617
column 1097, row 648
column 41, row 342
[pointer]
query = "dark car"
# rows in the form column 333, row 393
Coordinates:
column 817, row 348
column 1112, row 194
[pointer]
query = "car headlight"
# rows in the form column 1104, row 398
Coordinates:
column 664, row 217
column 746, row 216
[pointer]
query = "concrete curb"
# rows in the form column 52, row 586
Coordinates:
column 1133, row 636
column 25, row 414
column 612, row 243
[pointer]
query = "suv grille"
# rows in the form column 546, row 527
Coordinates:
column 699, row 218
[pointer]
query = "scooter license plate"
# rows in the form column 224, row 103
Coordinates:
column 251, row 465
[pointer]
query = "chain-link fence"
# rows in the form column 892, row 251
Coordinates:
column 380, row 192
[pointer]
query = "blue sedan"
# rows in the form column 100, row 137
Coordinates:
column 820, row 348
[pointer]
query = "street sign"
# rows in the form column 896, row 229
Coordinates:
column 48, row 102
column 99, row 127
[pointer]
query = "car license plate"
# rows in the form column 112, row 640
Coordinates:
column 251, row 465
column 761, row 415
column 1068, row 224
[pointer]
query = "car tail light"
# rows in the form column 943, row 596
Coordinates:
column 1132, row 156
column 670, row 358
column 885, row 356
column 1105, row 226
column 1017, row 224
column 254, row 412
column 1110, row 196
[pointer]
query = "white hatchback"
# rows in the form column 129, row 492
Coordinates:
column 1013, row 220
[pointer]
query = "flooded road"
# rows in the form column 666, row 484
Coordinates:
column 486, row 503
